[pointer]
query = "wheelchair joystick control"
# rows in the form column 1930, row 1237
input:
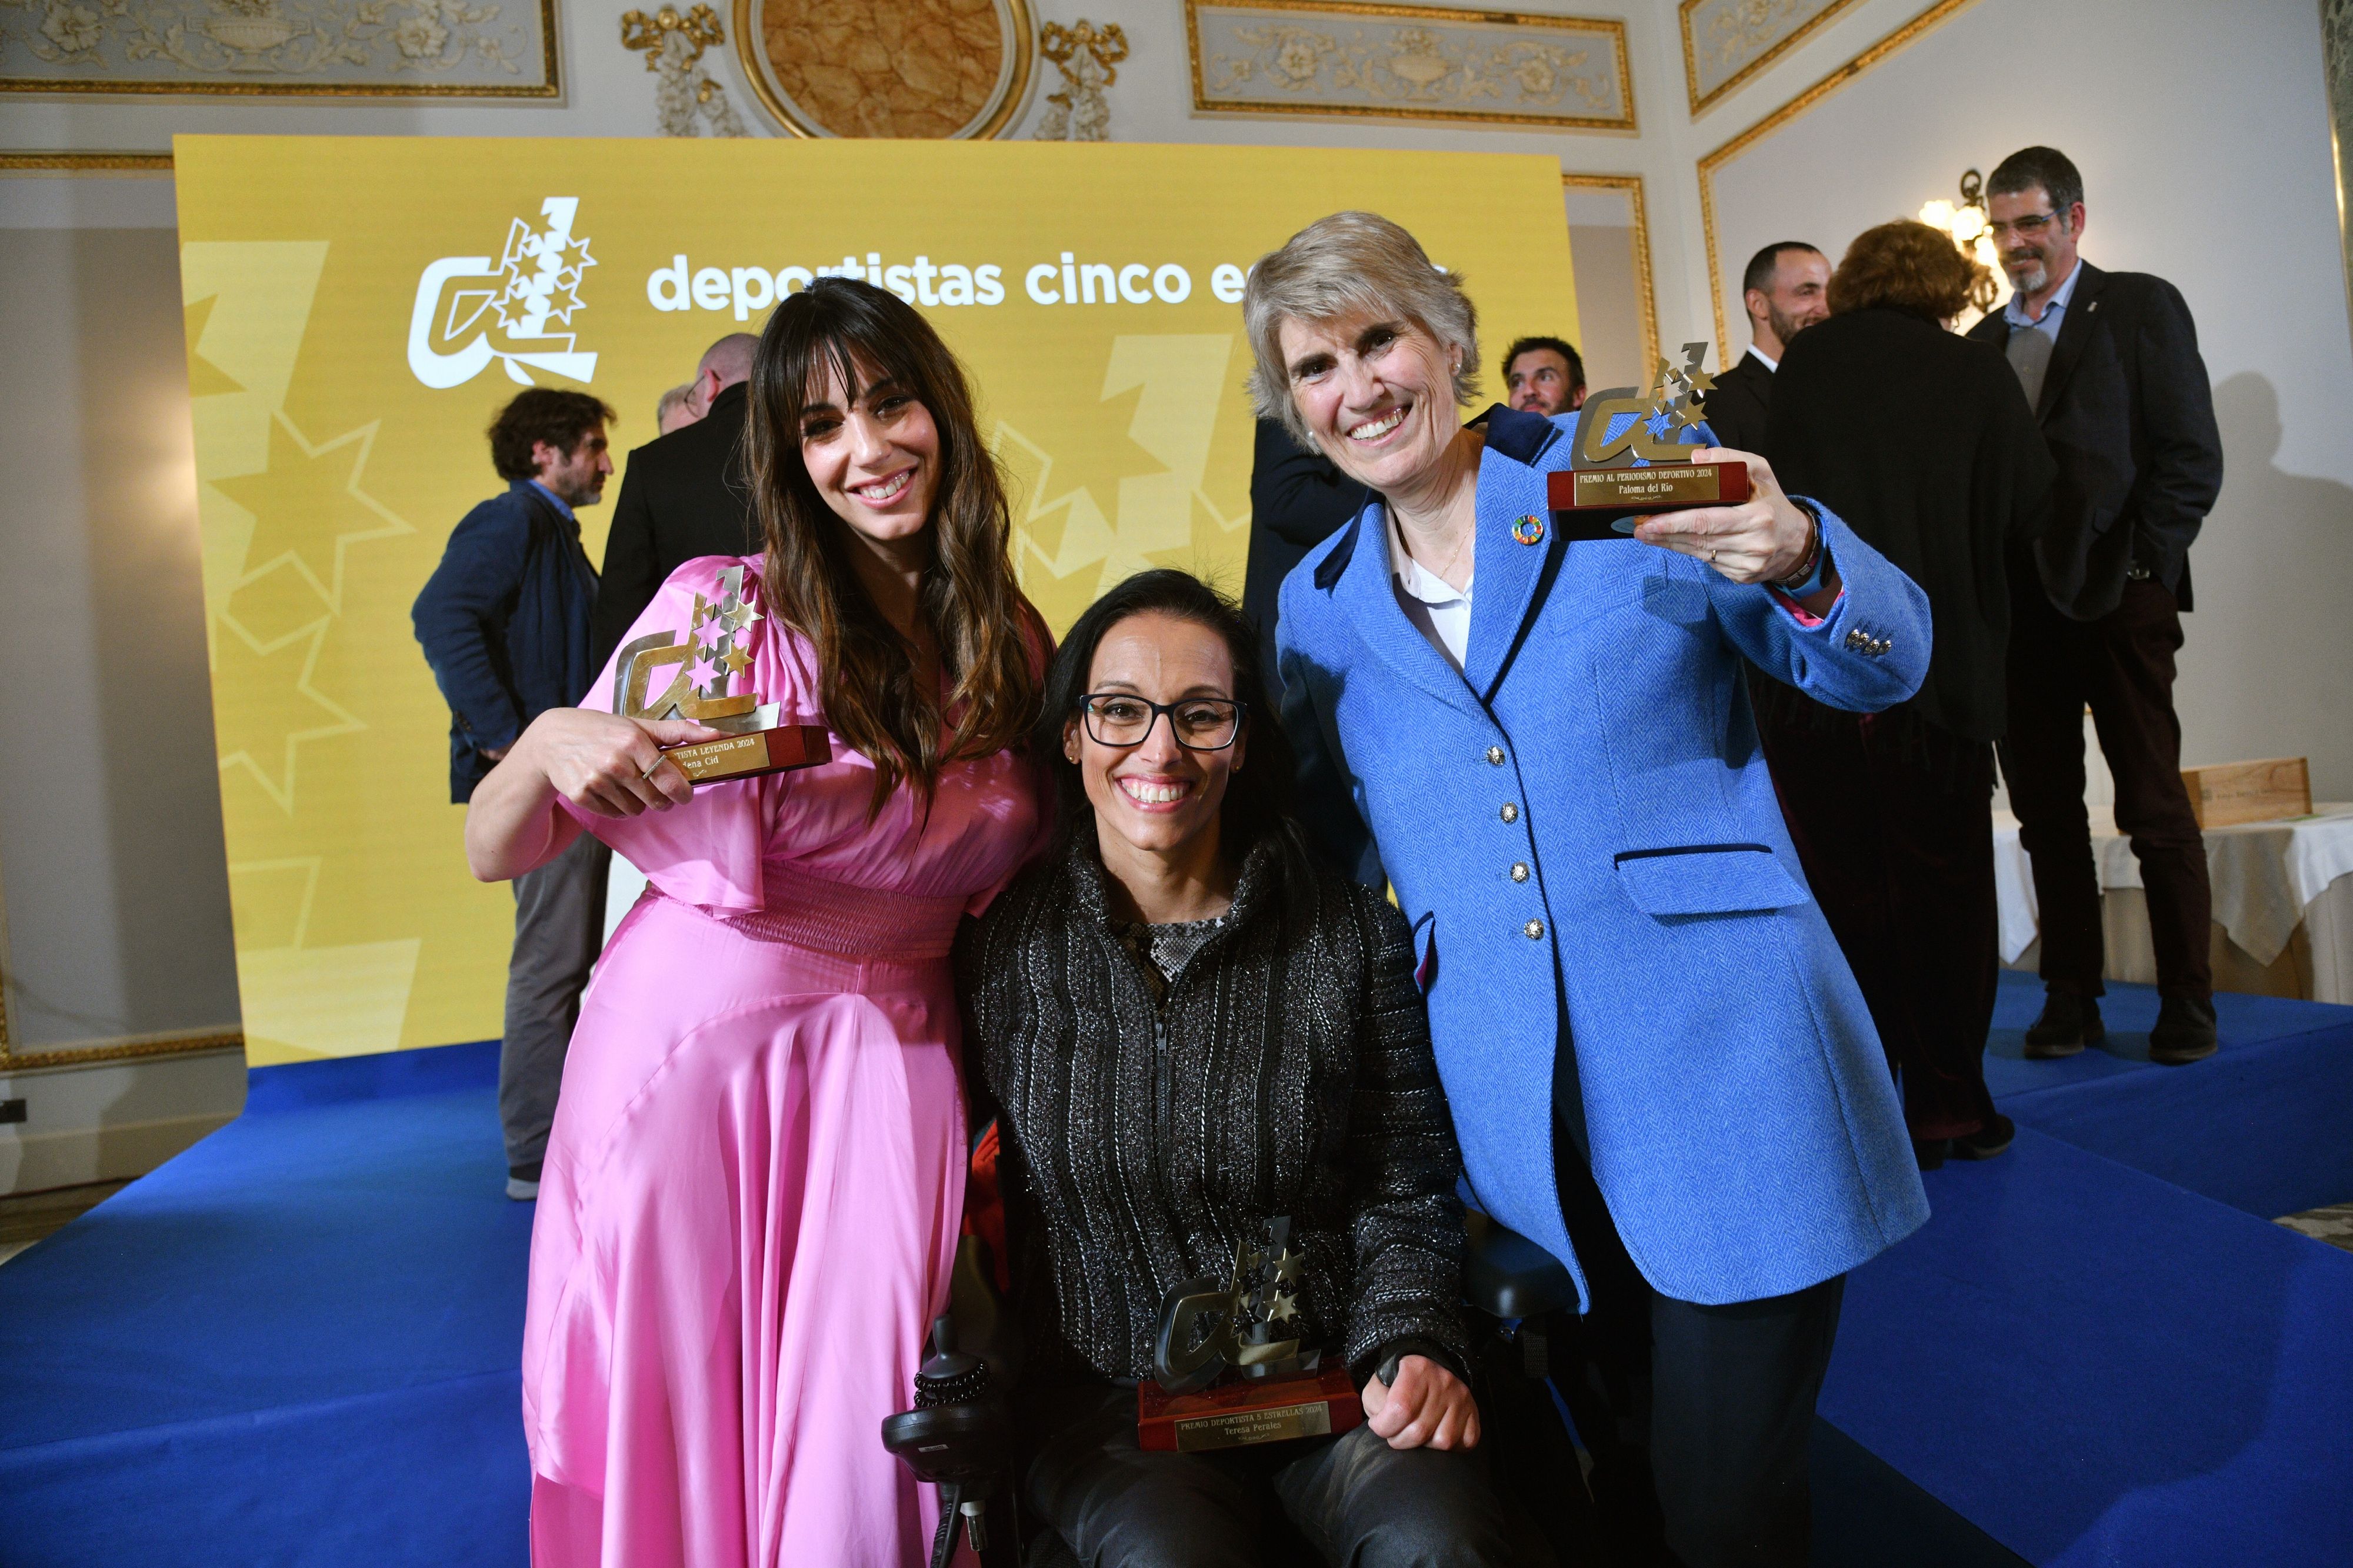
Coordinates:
column 956, row 1438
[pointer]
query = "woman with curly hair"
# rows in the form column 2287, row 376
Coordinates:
column 749, row 1206
column 1923, row 438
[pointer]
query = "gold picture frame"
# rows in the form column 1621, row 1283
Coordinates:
column 1016, row 27
column 1609, row 28
column 549, row 85
column 1645, row 289
column 1712, row 162
column 30, row 163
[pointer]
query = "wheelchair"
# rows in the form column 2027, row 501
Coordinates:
column 961, row 1438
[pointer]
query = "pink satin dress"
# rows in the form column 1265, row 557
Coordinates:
column 752, row 1195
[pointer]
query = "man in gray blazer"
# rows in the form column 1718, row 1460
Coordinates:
column 2110, row 365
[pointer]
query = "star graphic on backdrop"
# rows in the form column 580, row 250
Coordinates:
column 205, row 378
column 1093, row 451
column 308, row 507
column 270, row 707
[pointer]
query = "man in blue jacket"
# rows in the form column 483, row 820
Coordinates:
column 1660, row 1067
column 504, row 623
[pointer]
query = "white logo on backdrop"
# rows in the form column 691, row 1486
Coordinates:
column 533, row 287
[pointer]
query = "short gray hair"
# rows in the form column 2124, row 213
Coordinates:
column 1350, row 262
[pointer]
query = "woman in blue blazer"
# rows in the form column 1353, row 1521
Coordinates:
column 1660, row 1067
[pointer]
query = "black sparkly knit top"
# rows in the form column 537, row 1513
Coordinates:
column 1148, row 1122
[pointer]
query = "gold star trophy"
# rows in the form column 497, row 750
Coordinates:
column 1228, row 1366
column 1629, row 460
column 716, row 648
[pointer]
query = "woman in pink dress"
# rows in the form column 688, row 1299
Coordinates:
column 751, row 1198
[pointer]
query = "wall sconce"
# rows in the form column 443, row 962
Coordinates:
column 1966, row 223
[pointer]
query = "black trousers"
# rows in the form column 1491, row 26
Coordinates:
column 1699, row 1419
column 1893, row 822
column 1352, row 1499
column 2122, row 666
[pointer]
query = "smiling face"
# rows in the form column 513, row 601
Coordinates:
column 2037, row 240
column 873, row 455
column 1156, row 796
column 1378, row 394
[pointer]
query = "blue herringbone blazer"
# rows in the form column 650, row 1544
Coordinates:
column 1581, row 829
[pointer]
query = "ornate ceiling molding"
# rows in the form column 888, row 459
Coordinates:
column 1725, row 42
column 282, row 48
column 1408, row 62
column 887, row 67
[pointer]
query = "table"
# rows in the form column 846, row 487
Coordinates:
column 2283, row 903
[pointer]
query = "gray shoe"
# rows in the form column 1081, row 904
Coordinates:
column 522, row 1192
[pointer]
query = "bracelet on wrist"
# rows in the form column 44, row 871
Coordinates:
column 1807, row 563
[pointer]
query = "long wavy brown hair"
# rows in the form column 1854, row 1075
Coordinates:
column 840, row 328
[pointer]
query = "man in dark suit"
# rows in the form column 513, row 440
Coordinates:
column 1298, row 499
column 1785, row 291
column 2109, row 361
column 686, row 494
column 504, row 624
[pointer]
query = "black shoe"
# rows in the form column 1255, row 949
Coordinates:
column 1929, row 1151
column 2068, row 1024
column 1993, row 1138
column 2184, row 1032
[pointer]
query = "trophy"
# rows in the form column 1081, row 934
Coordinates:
column 1627, row 462
column 716, row 648
column 1228, row 1368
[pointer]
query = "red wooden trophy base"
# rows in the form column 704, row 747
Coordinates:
column 1661, row 486
column 1235, row 1412
column 755, row 752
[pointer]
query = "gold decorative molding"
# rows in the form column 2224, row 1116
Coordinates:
column 123, row 1051
column 1521, row 51
column 256, row 32
column 1016, row 30
column 673, row 45
column 1712, row 162
column 1644, row 290
column 85, row 162
column 1752, row 20
column 1088, row 58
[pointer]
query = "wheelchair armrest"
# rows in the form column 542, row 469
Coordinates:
column 1508, row 1276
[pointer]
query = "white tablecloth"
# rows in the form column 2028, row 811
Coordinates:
column 2268, row 878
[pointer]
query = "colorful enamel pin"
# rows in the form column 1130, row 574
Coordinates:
column 1529, row 530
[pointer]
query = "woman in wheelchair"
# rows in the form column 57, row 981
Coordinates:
column 1186, row 1029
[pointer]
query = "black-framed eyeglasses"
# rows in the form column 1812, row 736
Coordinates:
column 1123, row 719
column 2026, row 226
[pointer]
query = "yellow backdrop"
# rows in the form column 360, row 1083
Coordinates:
column 358, row 309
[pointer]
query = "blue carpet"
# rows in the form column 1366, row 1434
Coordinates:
column 2265, row 1124
column 2096, row 1367
column 295, row 1343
